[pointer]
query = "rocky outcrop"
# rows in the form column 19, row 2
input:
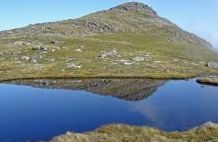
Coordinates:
column 212, row 80
column 137, row 7
column 213, row 65
column 99, row 27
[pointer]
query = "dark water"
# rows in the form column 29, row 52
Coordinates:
column 28, row 113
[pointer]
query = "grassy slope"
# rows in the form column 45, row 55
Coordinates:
column 169, row 51
column 178, row 60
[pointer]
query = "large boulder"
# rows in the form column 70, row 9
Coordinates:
column 108, row 54
column 213, row 65
column 73, row 65
column 26, row 58
column 138, row 59
column 21, row 43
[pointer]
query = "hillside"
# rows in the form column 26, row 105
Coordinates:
column 129, row 40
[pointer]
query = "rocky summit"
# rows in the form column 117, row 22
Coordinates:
column 129, row 40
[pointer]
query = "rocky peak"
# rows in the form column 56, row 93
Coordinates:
column 137, row 6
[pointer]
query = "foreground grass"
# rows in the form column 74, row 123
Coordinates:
column 123, row 133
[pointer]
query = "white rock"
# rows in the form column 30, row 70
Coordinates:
column 27, row 58
column 20, row 43
column 138, row 59
column 72, row 65
column 158, row 61
column 53, row 50
column 126, row 62
column 107, row 54
column 34, row 61
column 78, row 50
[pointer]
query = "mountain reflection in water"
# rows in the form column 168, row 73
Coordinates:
column 127, row 89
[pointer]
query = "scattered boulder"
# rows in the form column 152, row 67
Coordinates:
column 34, row 61
column 212, row 65
column 26, row 58
column 54, row 42
column 158, row 61
column 35, row 48
column 138, row 59
column 41, row 48
column 45, row 52
column 65, row 47
column 108, row 54
column 53, row 50
column 126, row 62
column 78, row 50
column 51, row 60
column 72, row 65
column 21, row 43
column 1, row 59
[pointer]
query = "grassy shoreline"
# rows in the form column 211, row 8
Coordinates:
column 101, row 76
column 207, row 132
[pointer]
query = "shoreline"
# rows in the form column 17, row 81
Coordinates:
column 100, row 77
column 120, row 132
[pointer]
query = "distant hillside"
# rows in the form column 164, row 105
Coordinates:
column 127, row 40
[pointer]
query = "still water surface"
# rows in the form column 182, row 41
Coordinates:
column 31, row 113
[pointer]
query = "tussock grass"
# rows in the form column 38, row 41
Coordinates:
column 124, row 133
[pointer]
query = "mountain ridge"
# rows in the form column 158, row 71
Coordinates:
column 91, row 24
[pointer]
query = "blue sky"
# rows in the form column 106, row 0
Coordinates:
column 197, row 16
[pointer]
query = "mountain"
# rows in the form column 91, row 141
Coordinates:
column 129, row 17
column 129, row 40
